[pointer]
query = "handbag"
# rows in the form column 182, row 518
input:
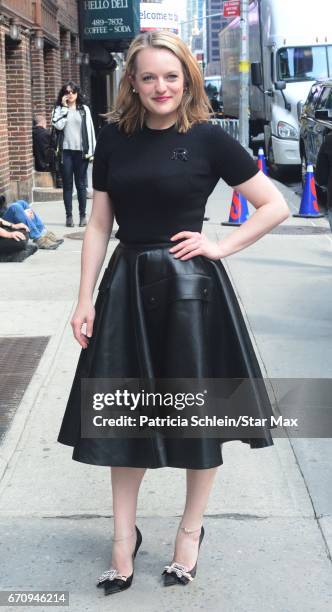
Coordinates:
column 56, row 142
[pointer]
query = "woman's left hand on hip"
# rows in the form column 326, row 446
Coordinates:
column 193, row 244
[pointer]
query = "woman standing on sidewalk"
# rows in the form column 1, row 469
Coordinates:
column 166, row 308
column 75, row 146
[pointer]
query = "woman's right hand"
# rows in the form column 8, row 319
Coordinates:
column 16, row 236
column 84, row 314
column 64, row 100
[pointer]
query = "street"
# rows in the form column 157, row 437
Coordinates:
column 268, row 524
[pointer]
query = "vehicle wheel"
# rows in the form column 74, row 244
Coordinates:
column 275, row 169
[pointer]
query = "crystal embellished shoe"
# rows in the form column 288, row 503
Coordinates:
column 176, row 573
column 112, row 580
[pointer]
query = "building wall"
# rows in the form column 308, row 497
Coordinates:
column 213, row 27
column 52, row 78
column 30, row 79
column 18, row 86
column 4, row 151
column 194, row 30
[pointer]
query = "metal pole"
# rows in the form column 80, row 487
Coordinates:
column 244, row 76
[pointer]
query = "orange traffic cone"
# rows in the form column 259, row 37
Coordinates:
column 261, row 162
column 309, row 205
column 239, row 212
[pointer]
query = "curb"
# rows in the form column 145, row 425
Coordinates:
column 36, row 386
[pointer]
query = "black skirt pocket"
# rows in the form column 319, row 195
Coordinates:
column 181, row 287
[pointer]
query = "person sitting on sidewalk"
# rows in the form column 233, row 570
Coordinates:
column 14, row 242
column 41, row 138
column 43, row 150
column 13, row 237
column 19, row 212
column 324, row 172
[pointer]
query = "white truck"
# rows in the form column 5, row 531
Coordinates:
column 290, row 47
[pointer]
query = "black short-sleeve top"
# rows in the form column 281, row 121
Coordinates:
column 159, row 180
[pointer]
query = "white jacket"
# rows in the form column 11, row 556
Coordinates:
column 59, row 120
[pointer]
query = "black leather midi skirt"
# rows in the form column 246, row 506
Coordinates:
column 161, row 318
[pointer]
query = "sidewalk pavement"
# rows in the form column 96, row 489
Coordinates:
column 268, row 523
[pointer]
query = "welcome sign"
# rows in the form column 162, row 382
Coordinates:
column 159, row 16
column 110, row 19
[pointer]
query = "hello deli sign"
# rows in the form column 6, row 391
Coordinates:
column 110, row 19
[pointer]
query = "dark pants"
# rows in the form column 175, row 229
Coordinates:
column 57, row 175
column 74, row 165
column 10, row 245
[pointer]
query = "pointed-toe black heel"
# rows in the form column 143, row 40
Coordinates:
column 112, row 580
column 176, row 573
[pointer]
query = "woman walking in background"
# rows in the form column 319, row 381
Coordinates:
column 166, row 308
column 75, row 146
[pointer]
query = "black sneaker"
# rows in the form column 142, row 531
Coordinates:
column 83, row 221
column 69, row 221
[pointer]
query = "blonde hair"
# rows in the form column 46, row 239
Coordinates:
column 195, row 105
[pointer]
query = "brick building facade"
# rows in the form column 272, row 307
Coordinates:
column 39, row 50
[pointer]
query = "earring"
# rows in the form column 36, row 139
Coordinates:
column 134, row 90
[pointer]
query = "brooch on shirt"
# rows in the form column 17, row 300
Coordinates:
column 181, row 154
